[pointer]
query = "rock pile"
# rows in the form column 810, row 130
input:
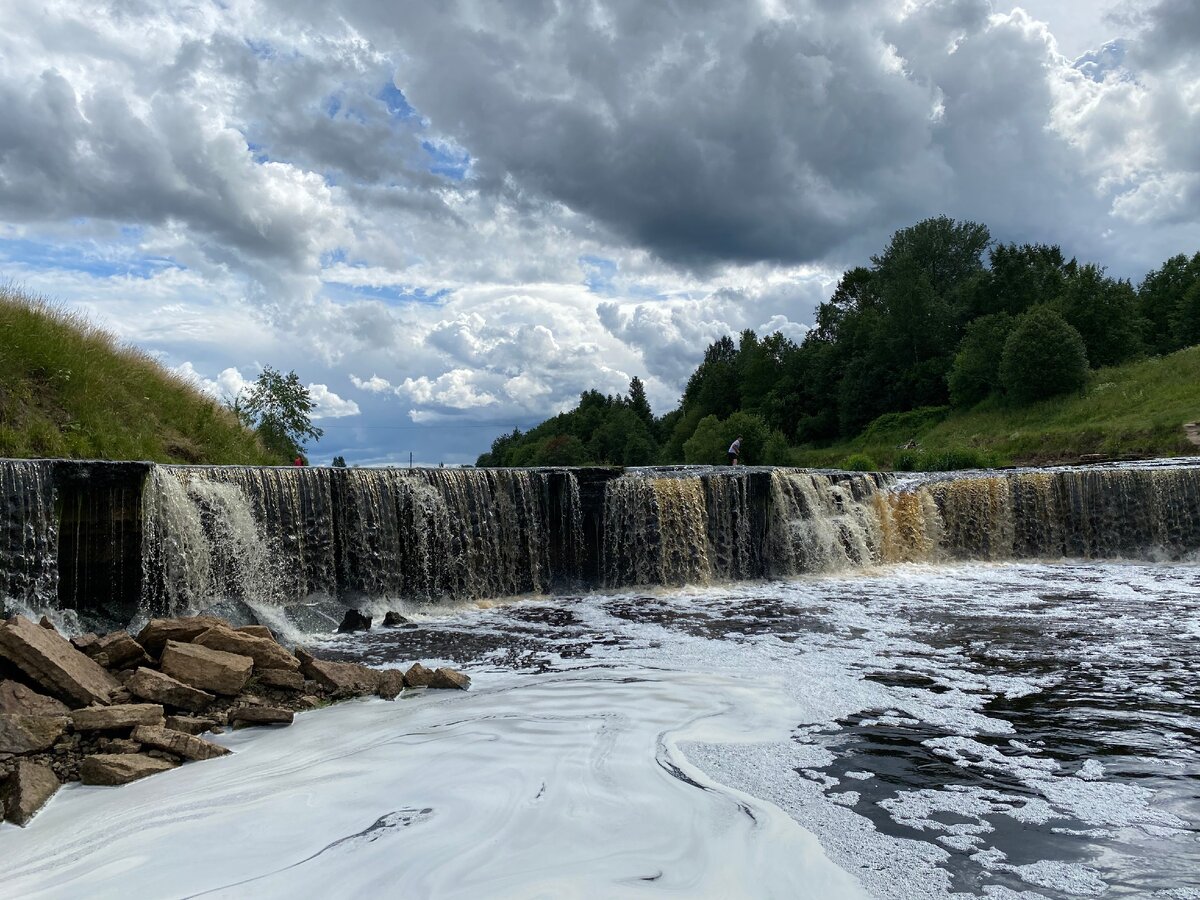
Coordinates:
column 112, row 709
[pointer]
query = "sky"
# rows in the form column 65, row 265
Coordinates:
column 451, row 218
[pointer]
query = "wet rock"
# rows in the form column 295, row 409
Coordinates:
column 157, row 632
column 261, row 631
column 310, row 701
column 46, row 623
column 30, row 734
column 117, row 717
column 120, row 768
column 50, row 661
column 354, row 621
column 207, row 669
column 340, row 678
column 158, row 687
column 117, row 651
column 177, row 743
column 266, row 653
column 391, row 683
column 282, row 679
column 450, row 678
column 83, row 641
column 417, row 676
column 393, row 620
column 17, row 699
column 260, row 715
column 27, row 790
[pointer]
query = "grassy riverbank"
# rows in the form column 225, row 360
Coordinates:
column 69, row 389
column 1134, row 410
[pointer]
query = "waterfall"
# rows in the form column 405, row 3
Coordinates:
column 118, row 540
column 284, row 536
column 28, row 536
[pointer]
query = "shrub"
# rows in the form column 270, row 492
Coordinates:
column 859, row 462
column 1043, row 357
column 975, row 372
column 712, row 437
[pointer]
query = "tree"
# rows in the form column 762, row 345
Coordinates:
column 1043, row 356
column 976, row 369
column 1162, row 301
column 1105, row 313
column 713, row 387
column 638, row 402
column 280, row 409
column 560, row 450
column 339, row 462
column 710, row 442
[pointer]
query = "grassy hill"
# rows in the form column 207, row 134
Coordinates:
column 69, row 389
column 1137, row 409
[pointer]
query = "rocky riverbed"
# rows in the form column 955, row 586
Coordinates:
column 115, row 708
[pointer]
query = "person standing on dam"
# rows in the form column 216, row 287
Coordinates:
column 734, row 449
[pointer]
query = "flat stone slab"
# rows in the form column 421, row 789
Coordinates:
column 207, row 669
column 116, row 651
column 49, row 660
column 30, row 734
column 158, row 687
column 341, row 678
column 189, row 724
column 266, row 653
column 260, row 715
column 157, row 632
column 261, row 631
column 183, row 745
column 120, row 768
column 117, row 716
column 17, row 699
column 28, row 789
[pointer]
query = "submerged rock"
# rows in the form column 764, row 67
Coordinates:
column 207, row 669
column 120, row 768
column 50, row 661
column 394, row 620
column 354, row 621
column 27, row 790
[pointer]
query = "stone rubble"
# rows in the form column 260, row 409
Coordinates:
column 110, row 709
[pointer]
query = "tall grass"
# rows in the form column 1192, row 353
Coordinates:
column 1137, row 409
column 70, row 389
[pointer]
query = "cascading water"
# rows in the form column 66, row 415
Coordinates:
column 820, row 524
column 28, row 535
column 656, row 531
column 280, row 537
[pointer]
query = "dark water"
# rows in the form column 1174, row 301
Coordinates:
column 1010, row 730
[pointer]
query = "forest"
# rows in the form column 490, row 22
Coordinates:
column 943, row 319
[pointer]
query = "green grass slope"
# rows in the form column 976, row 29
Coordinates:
column 68, row 389
column 1135, row 410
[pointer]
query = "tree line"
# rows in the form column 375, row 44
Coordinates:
column 942, row 317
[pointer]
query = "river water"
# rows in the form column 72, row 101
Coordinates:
column 1008, row 730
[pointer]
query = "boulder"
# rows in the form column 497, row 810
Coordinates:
column 391, row 683
column 260, row 715
column 207, row 669
column 46, row 623
column 30, row 734
column 120, row 768
column 417, row 676
column 117, row 717
column 393, row 619
column 177, row 742
column 81, row 642
column 266, row 653
column 340, row 678
column 117, row 651
column 188, row 724
column 160, row 688
column 354, row 621
column 157, row 632
column 27, row 790
column 261, row 631
column 50, row 661
column 17, row 699
column 282, row 679
column 450, row 678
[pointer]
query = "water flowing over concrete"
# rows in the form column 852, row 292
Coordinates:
column 122, row 540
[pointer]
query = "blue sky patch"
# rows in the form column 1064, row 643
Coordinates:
column 446, row 161
column 395, row 101
column 598, row 273
column 89, row 260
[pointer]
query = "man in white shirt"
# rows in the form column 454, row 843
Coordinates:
column 734, row 449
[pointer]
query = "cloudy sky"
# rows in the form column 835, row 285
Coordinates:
column 450, row 218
